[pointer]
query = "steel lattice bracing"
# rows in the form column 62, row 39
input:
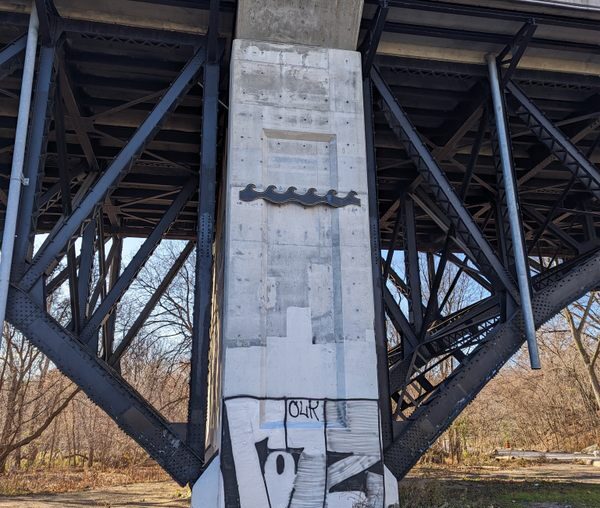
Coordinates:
column 127, row 140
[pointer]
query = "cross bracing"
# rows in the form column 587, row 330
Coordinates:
column 127, row 139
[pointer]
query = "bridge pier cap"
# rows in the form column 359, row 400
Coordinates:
column 328, row 24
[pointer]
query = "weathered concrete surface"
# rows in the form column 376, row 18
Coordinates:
column 330, row 24
column 300, row 424
column 338, row 26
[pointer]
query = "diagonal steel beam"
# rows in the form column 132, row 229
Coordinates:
column 555, row 230
column 102, row 385
column 68, row 96
column 430, row 420
column 67, row 227
column 465, row 227
column 90, row 330
column 135, row 328
column 12, row 49
column 575, row 137
column 554, row 139
column 479, row 93
column 444, row 337
column 399, row 320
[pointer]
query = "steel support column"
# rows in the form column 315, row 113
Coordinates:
column 34, row 162
column 378, row 279
column 514, row 214
column 204, row 261
column 203, row 288
column 86, row 263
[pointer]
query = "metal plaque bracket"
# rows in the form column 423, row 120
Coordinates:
column 310, row 198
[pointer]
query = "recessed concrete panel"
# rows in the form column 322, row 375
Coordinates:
column 331, row 24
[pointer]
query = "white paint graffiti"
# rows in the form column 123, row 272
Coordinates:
column 301, row 453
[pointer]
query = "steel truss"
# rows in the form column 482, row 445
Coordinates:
column 444, row 358
column 436, row 225
column 85, row 349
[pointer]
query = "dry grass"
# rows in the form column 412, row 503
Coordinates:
column 68, row 479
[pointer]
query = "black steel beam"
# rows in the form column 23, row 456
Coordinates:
column 135, row 328
column 430, row 420
column 399, row 320
column 86, row 264
column 67, row 227
column 370, row 43
column 75, row 116
column 204, row 261
column 411, row 264
column 205, row 226
column 102, row 385
column 65, row 188
column 446, row 336
column 113, row 275
column 121, row 285
column 465, row 227
column 41, row 113
column 494, row 13
column 12, row 49
column 381, row 345
column 554, row 139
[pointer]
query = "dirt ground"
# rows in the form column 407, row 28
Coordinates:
column 168, row 494
column 156, row 494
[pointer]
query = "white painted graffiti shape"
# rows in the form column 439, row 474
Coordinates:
column 305, row 452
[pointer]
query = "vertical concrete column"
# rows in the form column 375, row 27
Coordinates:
column 300, row 420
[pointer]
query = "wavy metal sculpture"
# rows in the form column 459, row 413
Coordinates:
column 310, row 198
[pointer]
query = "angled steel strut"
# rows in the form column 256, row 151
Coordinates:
column 464, row 225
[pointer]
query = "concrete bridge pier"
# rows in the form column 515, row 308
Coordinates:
column 295, row 380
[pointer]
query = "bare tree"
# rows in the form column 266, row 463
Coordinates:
column 583, row 321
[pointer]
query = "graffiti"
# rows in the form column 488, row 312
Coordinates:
column 307, row 408
column 310, row 198
column 301, row 453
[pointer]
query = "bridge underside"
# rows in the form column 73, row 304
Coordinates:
column 134, row 108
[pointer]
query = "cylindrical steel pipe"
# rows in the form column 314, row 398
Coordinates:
column 510, row 189
column 16, row 173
